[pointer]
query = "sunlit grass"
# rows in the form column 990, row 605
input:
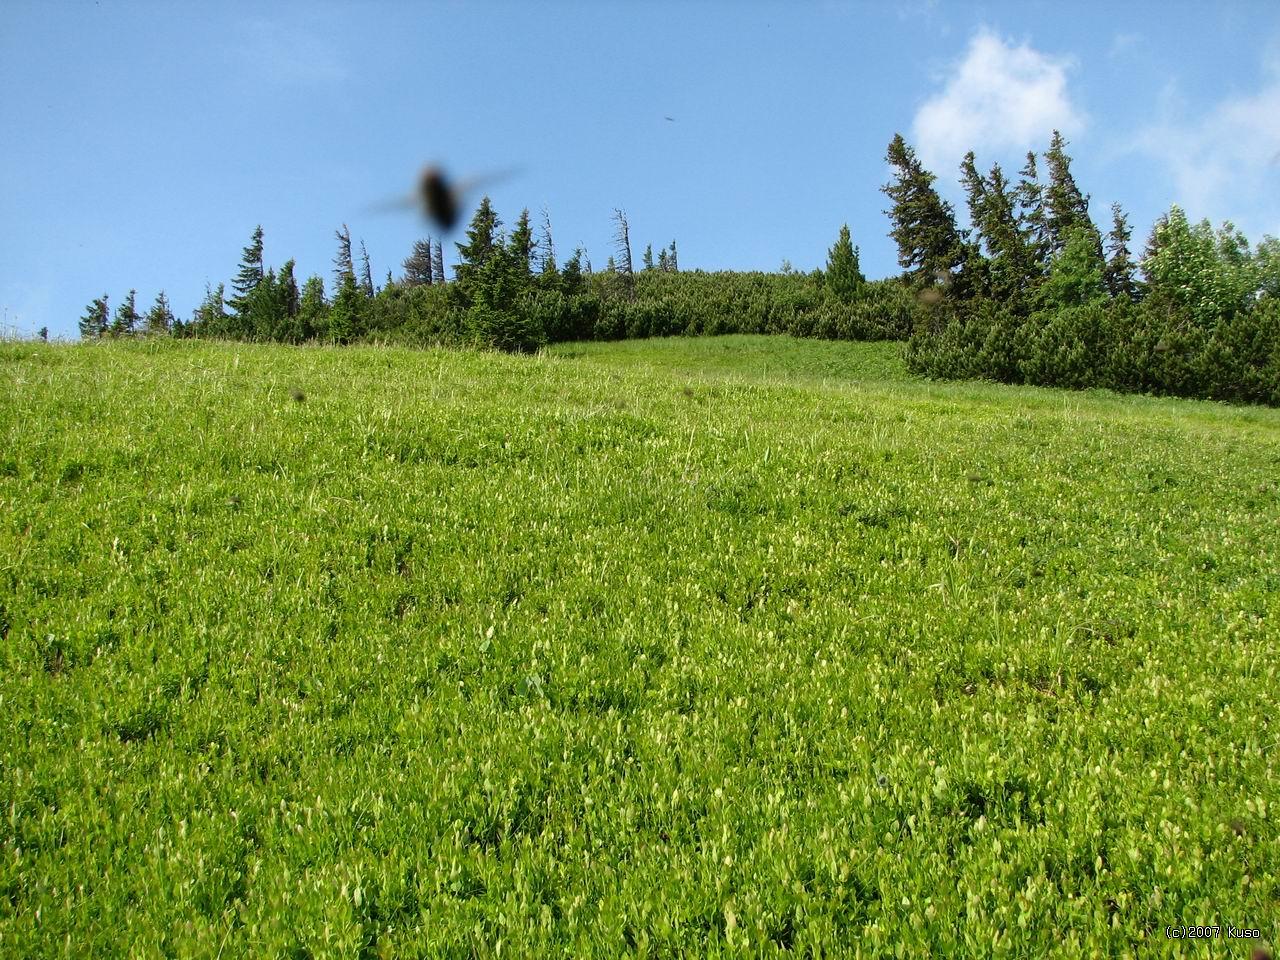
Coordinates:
column 676, row 647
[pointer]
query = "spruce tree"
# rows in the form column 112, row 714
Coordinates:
column 571, row 275
column 126, row 319
column 247, row 279
column 647, row 259
column 664, row 261
column 437, row 263
column 547, row 246
column 1065, row 207
column 366, row 272
column 93, row 325
column 418, row 267
column 924, row 226
column 313, row 310
column 343, row 266
column 346, row 315
column 159, row 320
column 1031, row 215
column 520, row 245
column 843, row 275
column 1013, row 269
column 1120, row 269
column 482, row 240
column 210, row 319
column 287, row 290
column 673, row 261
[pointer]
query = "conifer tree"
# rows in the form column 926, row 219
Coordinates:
column 418, row 267
column 843, row 275
column 571, row 275
column 664, row 260
column 520, row 245
column 346, row 314
column 924, row 226
column 343, row 265
column 266, row 310
column 647, row 259
column 1031, row 215
column 159, row 318
column 547, row 246
column 210, row 319
column 1013, row 269
column 437, row 263
column 93, row 325
column 622, row 237
column 126, row 319
column 673, row 262
column 1119, row 272
column 482, row 240
column 366, row 272
column 287, row 290
column 1065, row 207
column 313, row 309
column 247, row 278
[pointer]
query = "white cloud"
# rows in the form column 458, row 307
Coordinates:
column 1223, row 163
column 999, row 98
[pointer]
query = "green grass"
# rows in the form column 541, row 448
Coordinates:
column 626, row 649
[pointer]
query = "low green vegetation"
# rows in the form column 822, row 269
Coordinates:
column 686, row 647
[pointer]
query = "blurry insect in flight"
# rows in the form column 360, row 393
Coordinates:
column 439, row 198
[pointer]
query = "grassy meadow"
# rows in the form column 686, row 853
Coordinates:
column 740, row 646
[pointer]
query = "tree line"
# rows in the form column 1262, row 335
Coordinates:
column 510, row 292
column 1031, row 291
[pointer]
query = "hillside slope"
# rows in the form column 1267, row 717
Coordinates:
column 627, row 649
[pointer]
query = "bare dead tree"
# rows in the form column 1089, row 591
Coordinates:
column 548, row 248
column 623, row 239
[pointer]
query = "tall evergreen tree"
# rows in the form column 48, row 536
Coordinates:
column 247, row 277
column 346, row 314
column 1031, row 214
column 210, row 318
column 482, row 240
column 520, row 245
column 287, row 290
column 1065, row 207
column 673, row 261
column 975, row 189
column 647, row 259
column 843, row 275
column 366, row 272
column 571, row 275
column 1014, row 270
column 126, row 319
column 664, row 260
column 1119, row 273
column 418, row 267
column 924, row 226
column 343, row 265
column 159, row 318
column 313, row 309
column 93, row 324
column 437, row 263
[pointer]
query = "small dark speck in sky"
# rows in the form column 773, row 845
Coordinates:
column 672, row 119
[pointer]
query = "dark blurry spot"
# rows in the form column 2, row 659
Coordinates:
column 1237, row 827
column 297, row 394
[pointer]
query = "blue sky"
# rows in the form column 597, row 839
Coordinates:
column 141, row 143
